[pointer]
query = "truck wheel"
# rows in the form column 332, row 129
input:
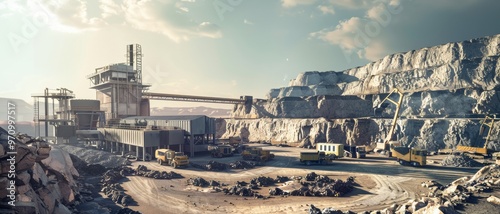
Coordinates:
column 308, row 163
column 401, row 162
column 160, row 162
column 174, row 165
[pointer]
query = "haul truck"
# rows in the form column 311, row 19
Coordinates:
column 413, row 157
column 356, row 151
column 318, row 157
column 171, row 157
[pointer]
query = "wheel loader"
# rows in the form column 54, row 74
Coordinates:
column 172, row 158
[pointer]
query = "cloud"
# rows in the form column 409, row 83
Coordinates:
column 245, row 21
column 293, row 3
column 167, row 17
column 109, row 8
column 354, row 4
column 374, row 51
column 326, row 9
column 361, row 35
column 344, row 34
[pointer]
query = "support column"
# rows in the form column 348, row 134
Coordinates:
column 144, row 153
column 191, row 145
column 137, row 151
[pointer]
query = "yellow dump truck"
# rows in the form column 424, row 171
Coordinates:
column 333, row 150
column 257, row 154
column 172, row 158
column 412, row 157
column 318, row 157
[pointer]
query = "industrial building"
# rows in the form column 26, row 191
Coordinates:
column 119, row 119
column 73, row 120
column 142, row 135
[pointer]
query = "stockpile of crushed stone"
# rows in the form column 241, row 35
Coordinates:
column 460, row 160
column 92, row 156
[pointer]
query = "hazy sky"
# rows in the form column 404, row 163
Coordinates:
column 223, row 48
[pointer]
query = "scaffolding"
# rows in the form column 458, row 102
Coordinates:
column 55, row 117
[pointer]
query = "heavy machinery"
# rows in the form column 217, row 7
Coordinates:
column 388, row 142
column 334, row 150
column 237, row 145
column 257, row 154
column 487, row 122
column 220, row 151
column 172, row 158
column 318, row 157
column 410, row 156
column 355, row 151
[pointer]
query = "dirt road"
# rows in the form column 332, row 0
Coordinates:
column 381, row 182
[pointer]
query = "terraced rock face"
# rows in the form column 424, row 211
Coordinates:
column 457, row 78
column 454, row 80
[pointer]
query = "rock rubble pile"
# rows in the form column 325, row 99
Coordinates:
column 94, row 156
column 460, row 160
column 318, row 185
column 111, row 181
column 45, row 178
column 444, row 198
column 217, row 166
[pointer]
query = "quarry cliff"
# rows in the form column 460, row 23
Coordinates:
column 458, row 80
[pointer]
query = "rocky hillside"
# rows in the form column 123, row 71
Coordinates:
column 447, row 89
column 40, row 179
column 464, row 75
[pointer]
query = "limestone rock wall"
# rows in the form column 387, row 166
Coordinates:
column 464, row 75
column 457, row 65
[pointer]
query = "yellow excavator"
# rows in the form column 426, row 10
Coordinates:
column 388, row 143
column 488, row 121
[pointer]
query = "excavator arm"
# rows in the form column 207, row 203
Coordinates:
column 490, row 122
column 398, row 102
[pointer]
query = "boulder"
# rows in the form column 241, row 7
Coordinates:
column 494, row 200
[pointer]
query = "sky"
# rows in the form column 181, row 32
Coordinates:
column 219, row 48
